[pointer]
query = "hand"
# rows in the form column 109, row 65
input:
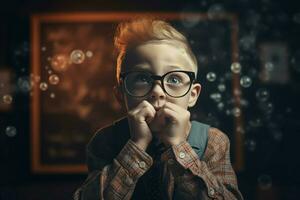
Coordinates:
column 176, row 124
column 138, row 119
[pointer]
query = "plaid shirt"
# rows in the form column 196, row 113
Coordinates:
column 118, row 168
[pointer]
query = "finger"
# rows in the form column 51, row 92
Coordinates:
column 141, row 106
column 146, row 113
column 170, row 116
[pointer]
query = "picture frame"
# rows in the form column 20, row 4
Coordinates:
column 66, row 110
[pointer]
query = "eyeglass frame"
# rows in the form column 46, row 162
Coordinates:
column 191, row 75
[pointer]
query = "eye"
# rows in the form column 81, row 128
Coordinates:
column 142, row 78
column 174, row 80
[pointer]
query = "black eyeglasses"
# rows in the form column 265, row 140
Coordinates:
column 174, row 83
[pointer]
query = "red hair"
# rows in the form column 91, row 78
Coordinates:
column 141, row 30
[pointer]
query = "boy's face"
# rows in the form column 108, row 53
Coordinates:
column 159, row 59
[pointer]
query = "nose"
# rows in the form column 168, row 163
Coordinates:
column 157, row 95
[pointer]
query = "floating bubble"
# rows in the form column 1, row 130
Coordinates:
column 215, row 11
column 295, row 61
column 52, row 95
column 236, row 67
column 24, row 84
column 288, row 110
column 264, row 182
column 43, row 86
column 43, row 48
column 252, row 72
column 251, row 144
column 266, row 107
column 220, row 106
column 49, row 71
column 216, row 96
column 53, row 79
column 211, row 76
column 262, row 94
column 10, row 131
column 296, row 18
column 255, row 122
column 7, row 99
column 221, row 87
column 237, row 92
column 240, row 129
column 236, row 111
column 269, row 66
column 89, row 54
column 77, row 56
column 59, row 62
column 244, row 102
column 247, row 42
column 245, row 81
column 228, row 112
column 277, row 135
column 228, row 76
column 189, row 20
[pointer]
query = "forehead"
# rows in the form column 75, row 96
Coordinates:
column 160, row 57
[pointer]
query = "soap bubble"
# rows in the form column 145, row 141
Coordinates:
column 228, row 112
column 216, row 96
column 77, row 56
column 220, row 105
column 24, row 84
column 52, row 95
column 266, row 107
column 240, row 130
column 189, row 20
column 236, row 67
column 295, row 61
column 244, row 102
column 246, row 81
column 264, row 182
column 10, row 131
column 211, row 76
column 89, row 54
column 49, row 71
column 7, row 99
column 262, row 94
column 221, row 87
column 250, row 144
column 215, row 11
column 269, row 66
column 43, row 48
column 53, row 79
column 247, row 42
column 236, row 111
column 59, row 63
column 296, row 18
column 43, row 86
column 277, row 135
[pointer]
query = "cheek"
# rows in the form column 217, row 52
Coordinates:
column 182, row 102
column 132, row 102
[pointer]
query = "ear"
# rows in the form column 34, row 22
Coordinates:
column 195, row 92
column 119, row 94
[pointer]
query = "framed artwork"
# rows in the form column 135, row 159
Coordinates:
column 73, row 62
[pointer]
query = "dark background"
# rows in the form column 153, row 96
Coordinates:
column 274, row 163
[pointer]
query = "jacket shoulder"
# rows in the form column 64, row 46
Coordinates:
column 217, row 144
column 110, row 139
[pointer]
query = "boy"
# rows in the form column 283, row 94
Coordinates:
column 156, row 152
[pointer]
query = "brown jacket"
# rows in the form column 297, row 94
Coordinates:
column 118, row 169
